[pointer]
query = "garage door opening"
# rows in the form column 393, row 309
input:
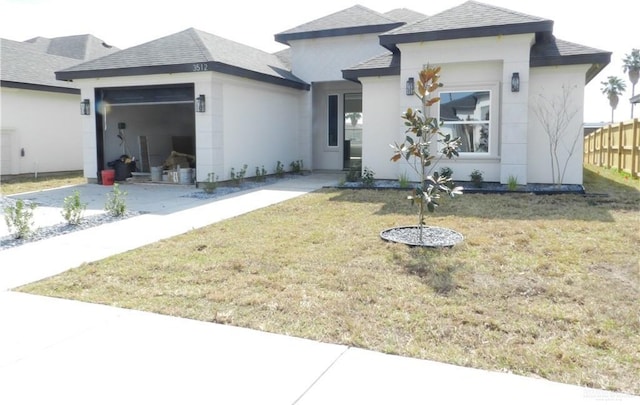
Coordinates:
column 145, row 126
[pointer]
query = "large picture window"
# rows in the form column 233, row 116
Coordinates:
column 467, row 114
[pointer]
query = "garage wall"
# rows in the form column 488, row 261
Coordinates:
column 45, row 125
column 262, row 125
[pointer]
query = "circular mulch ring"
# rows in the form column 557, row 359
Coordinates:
column 432, row 236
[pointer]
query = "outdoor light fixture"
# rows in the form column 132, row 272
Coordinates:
column 85, row 107
column 410, row 86
column 515, row 82
column 200, row 103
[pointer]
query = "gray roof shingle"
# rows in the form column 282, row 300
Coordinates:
column 26, row 66
column 405, row 15
column 81, row 47
column 387, row 64
column 468, row 20
column 351, row 21
column 180, row 52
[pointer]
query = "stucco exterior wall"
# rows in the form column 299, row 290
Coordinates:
column 552, row 83
column 382, row 126
column 479, row 64
column 45, row 125
column 322, row 59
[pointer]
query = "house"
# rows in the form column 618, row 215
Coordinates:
column 334, row 97
column 39, row 114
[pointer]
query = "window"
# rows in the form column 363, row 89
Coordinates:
column 333, row 121
column 466, row 114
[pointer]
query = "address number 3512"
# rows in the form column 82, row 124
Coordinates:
column 200, row 67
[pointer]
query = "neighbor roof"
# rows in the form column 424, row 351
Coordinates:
column 82, row 47
column 27, row 67
column 635, row 99
column 351, row 21
column 190, row 50
column 468, row 20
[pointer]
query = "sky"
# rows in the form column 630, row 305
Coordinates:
column 610, row 26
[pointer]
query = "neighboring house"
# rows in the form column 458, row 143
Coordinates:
column 334, row 98
column 39, row 115
column 635, row 99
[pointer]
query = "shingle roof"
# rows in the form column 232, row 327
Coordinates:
column 82, row 47
column 188, row 51
column 635, row 99
column 351, row 21
column 387, row 64
column 26, row 66
column 405, row 15
column 550, row 51
column 468, row 20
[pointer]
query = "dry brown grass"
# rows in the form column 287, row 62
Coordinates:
column 542, row 286
column 29, row 183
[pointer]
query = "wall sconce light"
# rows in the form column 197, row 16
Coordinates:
column 410, row 86
column 85, row 107
column 200, row 103
column 515, row 82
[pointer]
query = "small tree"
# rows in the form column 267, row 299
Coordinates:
column 631, row 64
column 555, row 114
column 613, row 87
column 416, row 147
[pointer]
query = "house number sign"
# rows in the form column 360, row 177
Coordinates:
column 200, row 67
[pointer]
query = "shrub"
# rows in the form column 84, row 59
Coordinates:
column 238, row 178
column 19, row 217
column 211, row 184
column 353, row 175
column 296, row 166
column 279, row 169
column 116, row 204
column 512, row 183
column 73, row 208
column 368, row 179
column 403, row 179
column 476, row 177
column 446, row 172
column 261, row 174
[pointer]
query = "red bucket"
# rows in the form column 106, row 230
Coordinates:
column 108, row 176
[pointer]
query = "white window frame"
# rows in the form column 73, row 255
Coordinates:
column 494, row 118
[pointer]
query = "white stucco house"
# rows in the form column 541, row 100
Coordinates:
column 39, row 119
column 334, row 97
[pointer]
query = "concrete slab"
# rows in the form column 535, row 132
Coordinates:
column 58, row 351
column 366, row 377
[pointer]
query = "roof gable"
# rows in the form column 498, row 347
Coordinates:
column 190, row 50
column 351, row 21
column 468, row 20
column 405, row 15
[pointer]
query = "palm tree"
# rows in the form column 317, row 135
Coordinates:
column 631, row 64
column 613, row 87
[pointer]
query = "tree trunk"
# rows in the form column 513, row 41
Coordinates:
column 613, row 102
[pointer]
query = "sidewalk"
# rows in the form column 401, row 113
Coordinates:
column 60, row 351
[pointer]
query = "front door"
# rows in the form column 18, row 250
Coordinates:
column 352, row 130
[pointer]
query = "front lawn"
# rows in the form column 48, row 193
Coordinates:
column 542, row 286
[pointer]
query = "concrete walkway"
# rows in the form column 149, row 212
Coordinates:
column 55, row 351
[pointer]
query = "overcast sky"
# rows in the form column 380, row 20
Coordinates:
column 610, row 25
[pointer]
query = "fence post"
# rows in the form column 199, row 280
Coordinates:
column 620, row 147
column 635, row 146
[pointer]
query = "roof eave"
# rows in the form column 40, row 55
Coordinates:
column 38, row 87
column 182, row 68
column 390, row 41
column 598, row 61
column 355, row 74
column 284, row 38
